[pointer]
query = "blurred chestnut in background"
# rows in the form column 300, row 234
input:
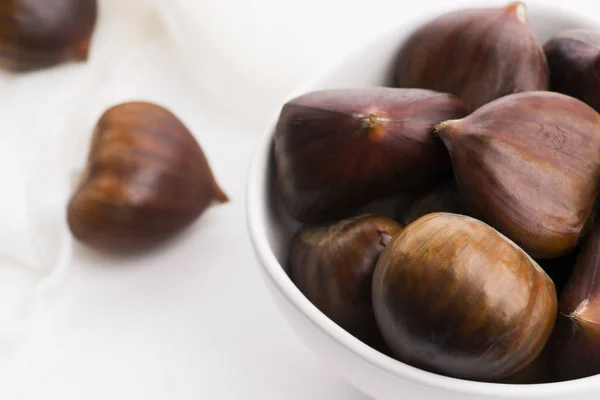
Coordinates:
column 146, row 180
column 36, row 34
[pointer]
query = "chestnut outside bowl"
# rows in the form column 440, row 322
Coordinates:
column 370, row 371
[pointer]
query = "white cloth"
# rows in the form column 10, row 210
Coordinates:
column 243, row 56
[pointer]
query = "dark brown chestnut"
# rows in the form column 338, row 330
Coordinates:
column 575, row 342
column 146, row 180
column 529, row 165
column 336, row 150
column 444, row 198
column 333, row 266
column 451, row 295
column 574, row 61
column 36, row 34
column 477, row 54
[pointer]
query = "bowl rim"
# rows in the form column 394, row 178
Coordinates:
column 256, row 188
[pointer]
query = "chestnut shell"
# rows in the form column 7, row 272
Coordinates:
column 575, row 342
column 36, row 34
column 574, row 61
column 333, row 265
column 451, row 295
column 529, row 165
column 477, row 54
column 340, row 149
column 146, row 180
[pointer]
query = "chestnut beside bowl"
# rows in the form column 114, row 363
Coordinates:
column 374, row 373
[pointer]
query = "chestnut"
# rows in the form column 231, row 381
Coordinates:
column 529, row 165
column 574, row 61
column 575, row 343
column 477, row 54
column 453, row 296
column 146, row 180
column 333, row 265
column 36, row 34
column 340, row 149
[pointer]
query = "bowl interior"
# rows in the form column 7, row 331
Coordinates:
column 371, row 65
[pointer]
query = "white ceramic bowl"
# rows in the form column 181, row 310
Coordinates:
column 270, row 229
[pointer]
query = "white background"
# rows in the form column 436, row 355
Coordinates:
column 192, row 320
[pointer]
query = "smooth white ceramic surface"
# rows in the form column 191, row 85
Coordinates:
column 374, row 373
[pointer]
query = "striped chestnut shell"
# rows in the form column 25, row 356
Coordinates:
column 146, row 180
column 453, row 296
column 528, row 164
column 477, row 54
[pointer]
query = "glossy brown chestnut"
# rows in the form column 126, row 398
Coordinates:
column 529, row 165
column 36, row 34
column 574, row 61
column 333, row 266
column 477, row 54
column 146, row 180
column 336, row 150
column 575, row 342
column 444, row 198
column 451, row 295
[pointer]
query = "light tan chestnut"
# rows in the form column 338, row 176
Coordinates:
column 529, row 165
column 453, row 296
column 478, row 54
column 146, row 180
column 36, row 34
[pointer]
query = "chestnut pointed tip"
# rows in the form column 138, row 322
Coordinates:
column 446, row 129
column 220, row 196
column 517, row 9
column 373, row 125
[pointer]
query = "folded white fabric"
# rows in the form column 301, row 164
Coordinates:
column 46, row 119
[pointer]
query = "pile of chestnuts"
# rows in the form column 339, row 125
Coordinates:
column 492, row 271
